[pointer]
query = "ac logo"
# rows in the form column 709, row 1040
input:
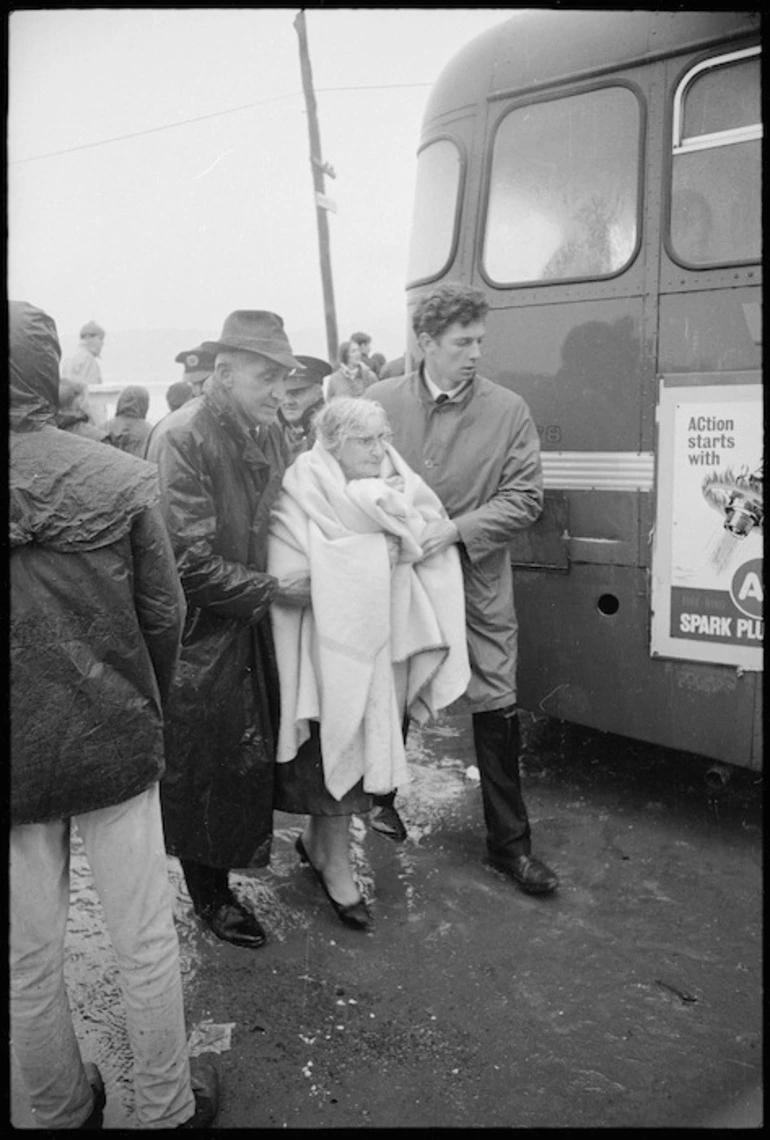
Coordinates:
column 747, row 588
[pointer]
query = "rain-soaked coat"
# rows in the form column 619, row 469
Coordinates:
column 481, row 455
column 128, row 429
column 218, row 483
column 96, row 606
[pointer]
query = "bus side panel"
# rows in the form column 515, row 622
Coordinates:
column 706, row 709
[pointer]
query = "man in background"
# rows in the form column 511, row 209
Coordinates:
column 197, row 366
column 364, row 342
column 178, row 393
column 304, row 397
column 83, row 366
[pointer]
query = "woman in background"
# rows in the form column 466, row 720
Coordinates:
column 352, row 378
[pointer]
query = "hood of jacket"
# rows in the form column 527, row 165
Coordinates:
column 33, row 374
column 133, row 402
column 65, row 491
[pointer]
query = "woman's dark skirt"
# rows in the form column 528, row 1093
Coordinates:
column 300, row 788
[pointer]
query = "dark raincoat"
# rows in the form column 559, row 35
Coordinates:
column 218, row 484
column 128, row 429
column 481, row 455
column 96, row 606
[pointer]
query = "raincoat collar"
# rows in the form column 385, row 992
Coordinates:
column 425, row 396
column 236, row 426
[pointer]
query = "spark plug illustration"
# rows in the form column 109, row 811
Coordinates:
column 738, row 497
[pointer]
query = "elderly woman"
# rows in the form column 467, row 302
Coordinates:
column 383, row 638
column 352, row 378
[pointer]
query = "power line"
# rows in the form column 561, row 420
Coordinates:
column 202, row 118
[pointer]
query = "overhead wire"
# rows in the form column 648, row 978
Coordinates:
column 202, row 118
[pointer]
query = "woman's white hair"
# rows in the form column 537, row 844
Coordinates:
column 344, row 416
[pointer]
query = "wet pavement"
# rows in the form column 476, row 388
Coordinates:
column 630, row 998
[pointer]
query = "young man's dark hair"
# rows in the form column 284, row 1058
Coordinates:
column 446, row 305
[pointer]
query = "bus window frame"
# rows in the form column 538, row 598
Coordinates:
column 696, row 143
column 536, row 99
column 463, row 156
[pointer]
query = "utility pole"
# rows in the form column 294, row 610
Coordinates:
column 318, row 168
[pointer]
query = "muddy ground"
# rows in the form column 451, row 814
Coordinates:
column 630, row 998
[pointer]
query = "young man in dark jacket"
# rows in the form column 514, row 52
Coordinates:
column 96, row 615
column 221, row 459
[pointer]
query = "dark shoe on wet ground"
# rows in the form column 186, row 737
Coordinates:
column 527, row 872
column 232, row 922
column 96, row 1117
column 387, row 821
column 204, row 1079
column 356, row 915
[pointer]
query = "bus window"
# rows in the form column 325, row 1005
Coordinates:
column 563, row 193
column 439, row 167
column 716, row 191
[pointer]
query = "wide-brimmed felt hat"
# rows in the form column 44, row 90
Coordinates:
column 257, row 331
column 196, row 359
column 315, row 370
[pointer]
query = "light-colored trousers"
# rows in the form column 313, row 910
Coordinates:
column 126, row 852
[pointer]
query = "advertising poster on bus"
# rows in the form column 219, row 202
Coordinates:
column 707, row 571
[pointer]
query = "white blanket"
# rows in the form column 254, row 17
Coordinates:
column 378, row 639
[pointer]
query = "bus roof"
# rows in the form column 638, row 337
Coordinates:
column 543, row 46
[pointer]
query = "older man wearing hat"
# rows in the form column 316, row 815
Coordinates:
column 83, row 366
column 304, row 397
column 221, row 459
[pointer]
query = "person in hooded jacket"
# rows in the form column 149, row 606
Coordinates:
column 96, row 618
column 221, row 458
column 128, row 429
column 73, row 414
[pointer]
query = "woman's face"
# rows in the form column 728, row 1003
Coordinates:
column 354, row 354
column 362, row 452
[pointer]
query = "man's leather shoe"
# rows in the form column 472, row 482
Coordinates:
column 232, row 922
column 95, row 1119
column 204, row 1079
column 527, row 872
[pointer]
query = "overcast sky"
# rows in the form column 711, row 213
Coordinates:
column 174, row 228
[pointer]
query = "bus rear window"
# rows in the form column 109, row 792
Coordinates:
column 434, row 221
column 563, row 193
column 716, row 187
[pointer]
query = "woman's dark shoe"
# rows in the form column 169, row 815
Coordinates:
column 385, row 819
column 357, row 915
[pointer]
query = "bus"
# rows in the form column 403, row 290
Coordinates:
column 597, row 174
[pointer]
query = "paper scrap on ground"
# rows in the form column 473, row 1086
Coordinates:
column 206, row 1037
